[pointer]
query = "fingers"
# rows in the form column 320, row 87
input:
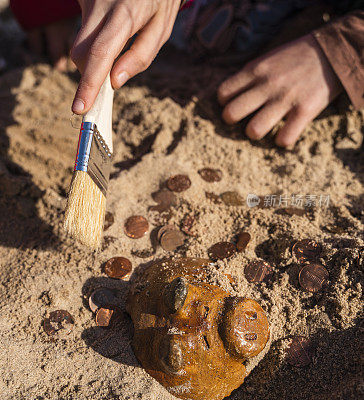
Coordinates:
column 142, row 52
column 297, row 120
column 244, row 104
column 85, row 37
column 265, row 120
column 234, row 85
column 102, row 53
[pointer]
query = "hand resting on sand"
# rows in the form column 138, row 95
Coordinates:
column 294, row 81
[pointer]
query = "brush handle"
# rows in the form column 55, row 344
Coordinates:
column 101, row 112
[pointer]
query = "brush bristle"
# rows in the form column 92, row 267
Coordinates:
column 85, row 210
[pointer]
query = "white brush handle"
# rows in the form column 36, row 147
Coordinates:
column 101, row 112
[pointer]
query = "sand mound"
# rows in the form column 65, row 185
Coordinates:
column 166, row 122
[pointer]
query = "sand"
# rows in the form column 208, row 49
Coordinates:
column 167, row 122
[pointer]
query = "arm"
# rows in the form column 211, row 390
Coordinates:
column 342, row 41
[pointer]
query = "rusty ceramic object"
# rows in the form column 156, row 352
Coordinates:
column 191, row 336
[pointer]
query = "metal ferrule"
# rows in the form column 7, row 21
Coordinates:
column 84, row 146
column 93, row 155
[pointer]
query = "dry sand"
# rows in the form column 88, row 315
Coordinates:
column 167, row 122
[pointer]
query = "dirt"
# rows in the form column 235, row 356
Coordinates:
column 167, row 122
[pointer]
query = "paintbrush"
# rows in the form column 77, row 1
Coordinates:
column 85, row 210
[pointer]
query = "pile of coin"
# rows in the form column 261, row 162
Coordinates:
column 222, row 250
column 312, row 275
column 104, row 303
column 170, row 238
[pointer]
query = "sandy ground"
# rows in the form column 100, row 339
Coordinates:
column 167, row 122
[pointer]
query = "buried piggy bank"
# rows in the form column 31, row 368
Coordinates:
column 192, row 336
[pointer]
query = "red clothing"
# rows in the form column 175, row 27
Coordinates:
column 34, row 13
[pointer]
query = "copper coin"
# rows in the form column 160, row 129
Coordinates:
column 165, row 199
column 306, row 250
column 118, row 267
column 163, row 230
column 172, row 239
column 300, row 351
column 213, row 197
column 210, row 174
column 243, row 240
column 178, row 183
column 101, row 297
column 232, row 199
column 136, row 226
column 257, row 271
column 109, row 220
column 221, row 250
column 187, row 224
column 59, row 320
column 105, row 317
column 313, row 276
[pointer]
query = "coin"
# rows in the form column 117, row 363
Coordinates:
column 257, row 271
column 313, row 276
column 165, row 199
column 101, row 297
column 210, row 174
column 118, row 267
column 187, row 224
column 306, row 250
column 300, row 351
column 59, row 321
column 109, row 220
column 136, row 226
column 221, row 250
column 105, row 317
column 163, row 230
column 178, row 183
column 243, row 240
column 232, row 198
column 171, row 239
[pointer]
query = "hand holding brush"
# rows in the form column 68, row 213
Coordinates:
column 106, row 29
column 85, row 211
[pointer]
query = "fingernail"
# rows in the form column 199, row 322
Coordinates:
column 122, row 78
column 78, row 106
